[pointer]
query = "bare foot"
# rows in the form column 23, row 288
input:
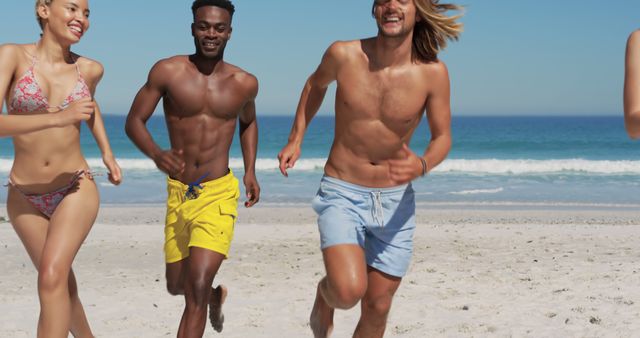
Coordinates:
column 218, row 295
column 321, row 319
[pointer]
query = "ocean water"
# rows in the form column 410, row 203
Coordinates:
column 494, row 160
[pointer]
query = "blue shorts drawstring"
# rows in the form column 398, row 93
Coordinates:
column 192, row 193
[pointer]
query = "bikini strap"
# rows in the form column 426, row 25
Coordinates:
column 34, row 59
column 13, row 185
column 75, row 62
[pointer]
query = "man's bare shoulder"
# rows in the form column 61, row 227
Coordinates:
column 435, row 70
column 164, row 69
column 243, row 77
column 171, row 64
column 341, row 50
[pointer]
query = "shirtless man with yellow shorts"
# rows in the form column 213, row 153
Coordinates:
column 203, row 97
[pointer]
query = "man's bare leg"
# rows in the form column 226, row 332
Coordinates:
column 201, row 268
column 321, row 320
column 342, row 288
column 376, row 304
column 218, row 296
column 175, row 275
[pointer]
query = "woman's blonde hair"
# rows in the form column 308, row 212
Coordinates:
column 38, row 4
column 431, row 33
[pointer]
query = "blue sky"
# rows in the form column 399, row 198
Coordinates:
column 514, row 58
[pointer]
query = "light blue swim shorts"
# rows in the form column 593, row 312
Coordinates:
column 381, row 220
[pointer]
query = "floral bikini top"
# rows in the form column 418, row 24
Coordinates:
column 28, row 96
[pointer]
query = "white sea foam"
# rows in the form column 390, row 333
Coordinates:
column 310, row 164
column 479, row 166
column 512, row 204
column 477, row 191
column 262, row 164
column 518, row 167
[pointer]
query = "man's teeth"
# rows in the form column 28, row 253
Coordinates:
column 394, row 19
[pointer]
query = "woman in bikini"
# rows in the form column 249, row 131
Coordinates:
column 52, row 200
column 632, row 86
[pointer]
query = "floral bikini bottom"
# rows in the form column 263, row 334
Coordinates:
column 48, row 202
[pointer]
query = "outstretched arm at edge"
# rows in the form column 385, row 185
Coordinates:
column 632, row 86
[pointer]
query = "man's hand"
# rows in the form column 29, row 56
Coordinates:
column 406, row 167
column 288, row 157
column 170, row 162
column 252, row 189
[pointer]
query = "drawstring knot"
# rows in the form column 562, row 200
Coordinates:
column 192, row 193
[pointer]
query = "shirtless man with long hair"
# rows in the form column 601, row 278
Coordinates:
column 203, row 98
column 365, row 204
column 52, row 200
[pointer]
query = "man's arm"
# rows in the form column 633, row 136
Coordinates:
column 632, row 86
column 142, row 108
column 439, row 117
column 410, row 166
column 249, row 143
column 312, row 96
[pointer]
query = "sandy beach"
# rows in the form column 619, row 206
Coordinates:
column 502, row 271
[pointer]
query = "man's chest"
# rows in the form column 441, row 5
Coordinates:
column 211, row 98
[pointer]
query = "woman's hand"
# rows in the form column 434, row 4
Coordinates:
column 115, row 174
column 77, row 111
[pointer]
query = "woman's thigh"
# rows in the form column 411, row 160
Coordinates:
column 70, row 224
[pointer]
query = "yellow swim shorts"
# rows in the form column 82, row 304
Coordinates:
column 205, row 221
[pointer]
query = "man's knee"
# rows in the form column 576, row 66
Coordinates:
column 199, row 292
column 347, row 295
column 378, row 306
column 175, row 288
column 175, row 279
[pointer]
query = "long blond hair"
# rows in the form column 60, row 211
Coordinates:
column 430, row 34
column 434, row 28
column 38, row 4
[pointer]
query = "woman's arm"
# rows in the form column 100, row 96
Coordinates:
column 96, row 125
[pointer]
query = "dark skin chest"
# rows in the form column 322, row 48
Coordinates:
column 193, row 94
column 201, row 113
